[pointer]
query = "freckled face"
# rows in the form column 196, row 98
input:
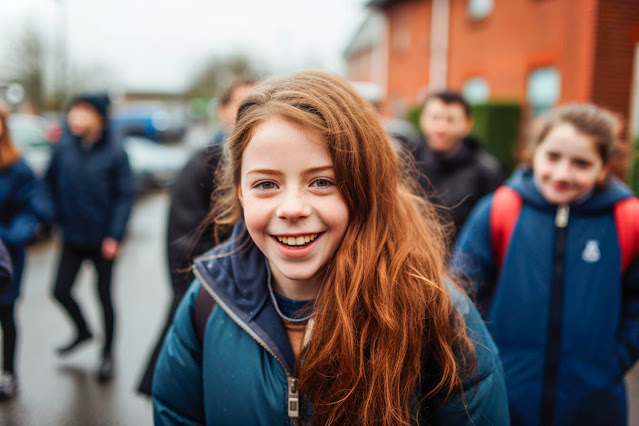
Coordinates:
column 293, row 209
column 567, row 165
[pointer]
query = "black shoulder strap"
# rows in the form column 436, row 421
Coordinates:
column 204, row 304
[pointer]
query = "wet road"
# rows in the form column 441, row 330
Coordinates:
column 64, row 391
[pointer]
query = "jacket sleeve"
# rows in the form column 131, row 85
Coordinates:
column 629, row 328
column 472, row 259
column 177, row 382
column 123, row 196
column 33, row 207
column 484, row 400
column 6, row 270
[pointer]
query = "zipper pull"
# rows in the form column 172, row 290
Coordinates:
column 293, row 398
column 561, row 219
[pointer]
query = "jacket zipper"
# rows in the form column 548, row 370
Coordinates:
column 554, row 325
column 293, row 391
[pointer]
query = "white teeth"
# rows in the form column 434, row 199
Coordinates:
column 297, row 241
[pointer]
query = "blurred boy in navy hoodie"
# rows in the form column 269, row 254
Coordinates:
column 93, row 189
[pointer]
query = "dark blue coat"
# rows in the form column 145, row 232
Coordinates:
column 6, row 269
column 23, row 206
column 238, row 375
column 571, row 325
column 93, row 190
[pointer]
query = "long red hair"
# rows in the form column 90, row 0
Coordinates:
column 9, row 154
column 384, row 309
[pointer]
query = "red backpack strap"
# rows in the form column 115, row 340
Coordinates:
column 504, row 213
column 627, row 223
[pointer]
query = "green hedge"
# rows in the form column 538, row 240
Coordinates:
column 497, row 125
column 634, row 164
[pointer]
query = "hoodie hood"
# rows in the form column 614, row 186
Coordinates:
column 599, row 201
column 100, row 102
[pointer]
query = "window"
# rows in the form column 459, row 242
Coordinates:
column 479, row 9
column 544, row 86
column 476, row 90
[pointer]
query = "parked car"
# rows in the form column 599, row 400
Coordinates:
column 152, row 122
column 154, row 165
column 33, row 136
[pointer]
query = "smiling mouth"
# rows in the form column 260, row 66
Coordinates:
column 297, row 242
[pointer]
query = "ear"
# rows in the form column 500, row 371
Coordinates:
column 240, row 196
column 469, row 124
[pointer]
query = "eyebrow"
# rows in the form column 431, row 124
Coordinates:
column 312, row 170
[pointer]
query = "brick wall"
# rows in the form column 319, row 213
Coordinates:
column 408, row 52
column 614, row 54
column 519, row 36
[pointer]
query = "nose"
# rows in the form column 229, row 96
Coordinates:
column 562, row 171
column 293, row 205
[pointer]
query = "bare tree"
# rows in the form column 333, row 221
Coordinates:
column 25, row 63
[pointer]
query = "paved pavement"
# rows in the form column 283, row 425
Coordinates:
column 55, row 391
column 64, row 391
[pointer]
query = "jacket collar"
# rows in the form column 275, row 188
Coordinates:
column 236, row 273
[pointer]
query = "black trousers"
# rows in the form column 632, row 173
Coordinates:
column 70, row 262
column 8, row 336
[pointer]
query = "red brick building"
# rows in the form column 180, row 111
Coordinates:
column 537, row 52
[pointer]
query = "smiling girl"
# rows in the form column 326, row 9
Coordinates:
column 563, row 304
column 329, row 305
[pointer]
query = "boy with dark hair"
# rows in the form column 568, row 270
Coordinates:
column 456, row 170
column 93, row 188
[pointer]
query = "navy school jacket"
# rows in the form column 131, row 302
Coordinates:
column 239, row 374
column 93, row 189
column 565, row 320
column 24, row 204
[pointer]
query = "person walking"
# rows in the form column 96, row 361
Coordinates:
column 328, row 304
column 559, row 286
column 93, row 189
column 24, row 205
column 456, row 170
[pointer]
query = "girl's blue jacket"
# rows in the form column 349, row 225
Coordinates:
column 24, row 204
column 565, row 320
column 240, row 373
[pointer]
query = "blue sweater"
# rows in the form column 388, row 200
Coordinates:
column 23, row 206
column 93, row 190
column 564, row 318
column 238, row 375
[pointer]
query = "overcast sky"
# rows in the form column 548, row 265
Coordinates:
column 158, row 44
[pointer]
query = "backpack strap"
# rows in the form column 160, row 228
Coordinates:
column 627, row 224
column 204, row 304
column 504, row 212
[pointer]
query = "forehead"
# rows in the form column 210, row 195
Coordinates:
column 278, row 141
column 565, row 138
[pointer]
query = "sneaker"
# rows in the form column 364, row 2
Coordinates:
column 8, row 386
column 106, row 370
column 80, row 338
